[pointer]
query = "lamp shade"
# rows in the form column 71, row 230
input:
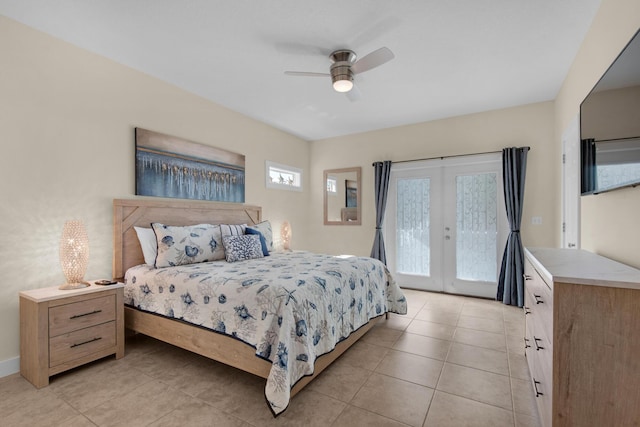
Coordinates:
column 285, row 235
column 74, row 254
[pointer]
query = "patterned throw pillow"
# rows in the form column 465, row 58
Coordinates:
column 238, row 248
column 263, row 242
column 264, row 228
column 187, row 245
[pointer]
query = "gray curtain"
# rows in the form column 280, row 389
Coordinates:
column 382, row 171
column 511, row 280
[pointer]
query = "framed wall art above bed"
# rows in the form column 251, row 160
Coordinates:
column 168, row 166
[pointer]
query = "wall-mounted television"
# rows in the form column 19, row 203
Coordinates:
column 610, row 126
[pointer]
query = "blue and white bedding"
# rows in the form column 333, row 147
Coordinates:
column 291, row 307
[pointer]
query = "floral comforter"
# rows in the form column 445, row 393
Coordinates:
column 291, row 307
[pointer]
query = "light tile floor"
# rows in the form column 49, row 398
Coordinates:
column 452, row 361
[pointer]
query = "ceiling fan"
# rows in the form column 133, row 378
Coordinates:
column 345, row 67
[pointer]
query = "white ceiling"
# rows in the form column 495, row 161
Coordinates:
column 452, row 57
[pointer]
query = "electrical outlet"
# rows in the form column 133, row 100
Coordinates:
column 536, row 220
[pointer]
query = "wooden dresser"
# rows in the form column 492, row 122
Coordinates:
column 582, row 338
column 63, row 329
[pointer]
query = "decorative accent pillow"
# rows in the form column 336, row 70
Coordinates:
column 264, row 228
column 239, row 248
column 232, row 229
column 187, row 245
column 148, row 243
column 263, row 242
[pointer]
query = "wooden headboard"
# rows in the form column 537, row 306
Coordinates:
column 128, row 213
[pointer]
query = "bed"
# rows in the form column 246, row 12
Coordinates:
column 284, row 317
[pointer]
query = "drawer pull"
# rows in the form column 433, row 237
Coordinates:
column 527, row 277
column 526, row 343
column 538, row 301
column 538, row 347
column 75, row 316
column 527, row 310
column 86, row 342
column 535, row 385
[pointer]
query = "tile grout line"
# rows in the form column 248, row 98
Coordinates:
column 513, row 401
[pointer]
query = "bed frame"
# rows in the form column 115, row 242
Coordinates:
column 127, row 253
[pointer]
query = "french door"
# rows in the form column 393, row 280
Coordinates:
column 446, row 224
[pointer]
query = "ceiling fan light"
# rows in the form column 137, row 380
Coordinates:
column 342, row 77
column 342, row 85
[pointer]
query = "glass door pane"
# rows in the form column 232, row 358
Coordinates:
column 413, row 251
column 476, row 227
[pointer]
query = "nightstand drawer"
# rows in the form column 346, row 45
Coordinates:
column 75, row 345
column 79, row 315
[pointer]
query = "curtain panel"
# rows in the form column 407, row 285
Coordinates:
column 511, row 279
column 382, row 171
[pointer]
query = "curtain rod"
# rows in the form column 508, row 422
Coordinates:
column 617, row 139
column 447, row 157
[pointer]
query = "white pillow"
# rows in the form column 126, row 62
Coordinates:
column 187, row 245
column 148, row 243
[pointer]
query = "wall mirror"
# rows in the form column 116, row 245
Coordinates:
column 342, row 201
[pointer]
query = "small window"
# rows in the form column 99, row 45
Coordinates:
column 283, row 177
column 332, row 185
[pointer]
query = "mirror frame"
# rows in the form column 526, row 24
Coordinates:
column 327, row 172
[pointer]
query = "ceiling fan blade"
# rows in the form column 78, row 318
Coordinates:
column 306, row 74
column 354, row 94
column 372, row 60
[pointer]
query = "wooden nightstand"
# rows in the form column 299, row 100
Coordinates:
column 60, row 330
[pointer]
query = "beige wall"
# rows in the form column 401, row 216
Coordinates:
column 66, row 125
column 529, row 125
column 609, row 221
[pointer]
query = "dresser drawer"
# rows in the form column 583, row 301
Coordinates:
column 542, row 389
column 77, row 344
column 542, row 346
column 538, row 299
column 539, row 359
column 83, row 314
column 539, row 346
column 536, row 335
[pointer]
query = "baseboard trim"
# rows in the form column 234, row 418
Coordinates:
column 9, row 367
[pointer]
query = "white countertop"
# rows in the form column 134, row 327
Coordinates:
column 53, row 293
column 583, row 268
